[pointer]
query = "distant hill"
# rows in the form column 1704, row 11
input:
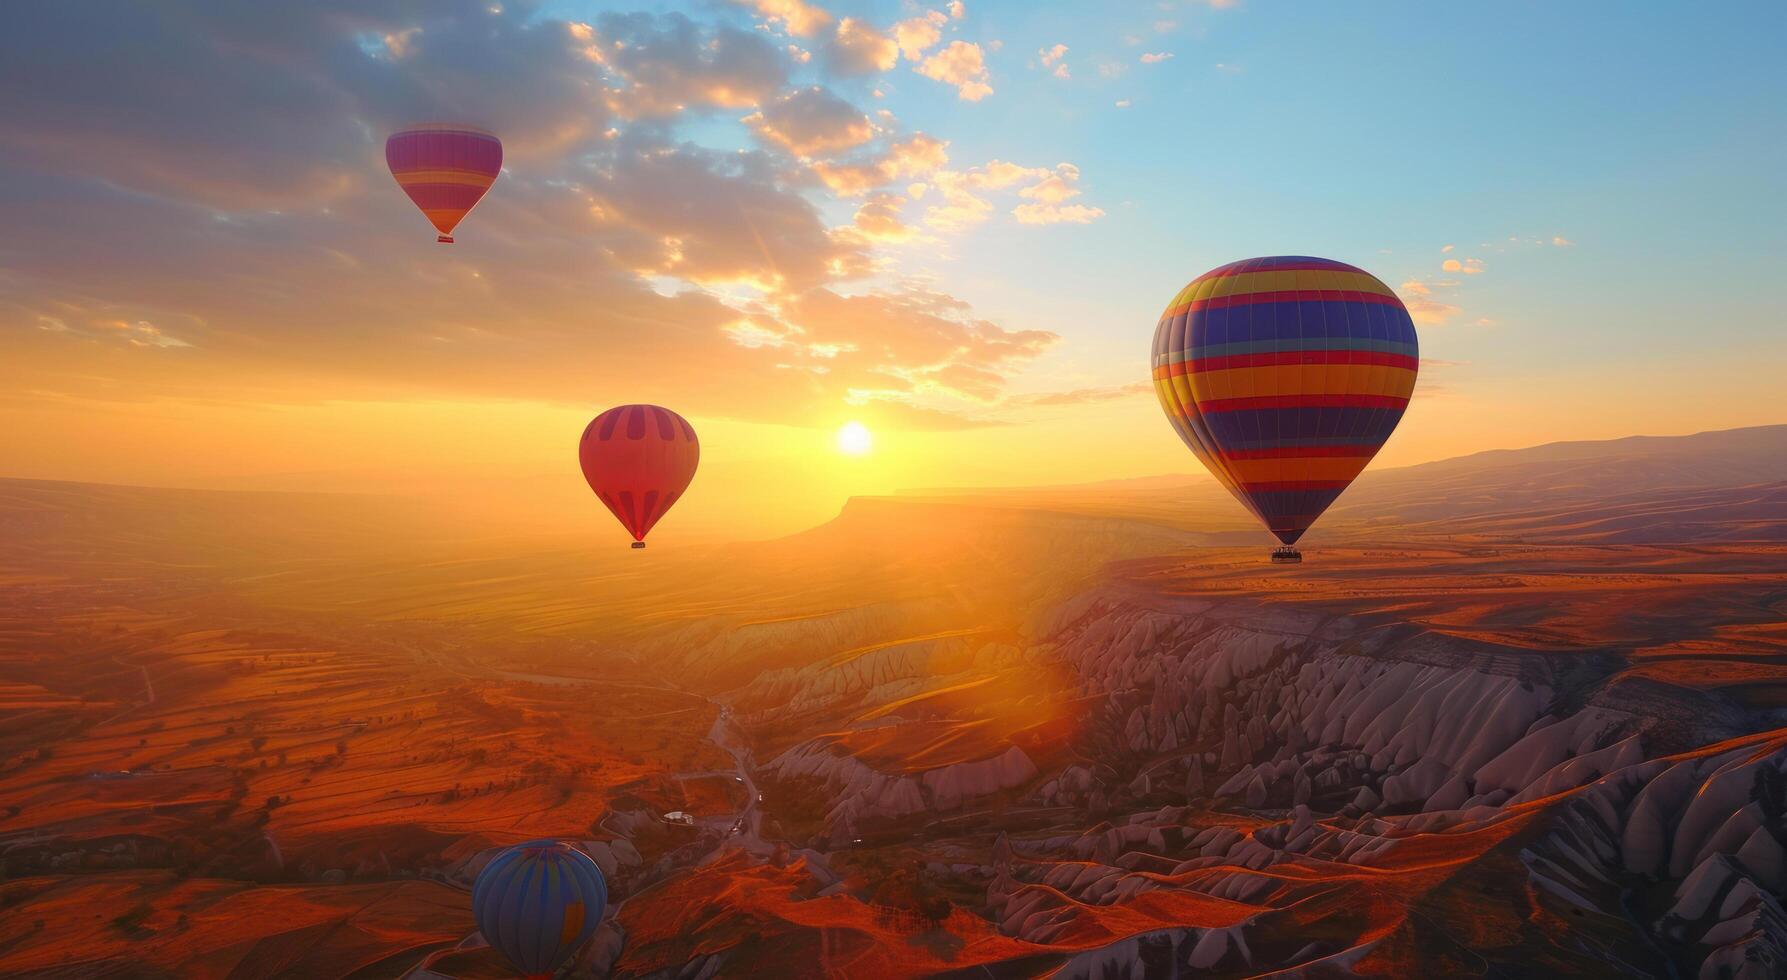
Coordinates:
column 67, row 521
column 1712, row 486
column 1723, row 485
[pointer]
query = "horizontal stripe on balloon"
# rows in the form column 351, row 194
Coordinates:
column 1309, row 443
column 1243, row 428
column 1297, row 379
column 1349, row 280
column 1294, row 450
column 1286, row 296
column 428, row 196
column 1252, row 403
column 1281, row 358
column 475, row 178
column 1290, row 486
column 1203, row 291
column 1328, row 469
column 1302, row 319
column 1288, row 344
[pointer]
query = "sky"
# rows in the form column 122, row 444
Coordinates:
column 954, row 224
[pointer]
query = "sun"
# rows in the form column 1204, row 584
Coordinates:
column 854, row 439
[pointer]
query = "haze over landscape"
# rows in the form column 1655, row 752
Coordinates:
column 952, row 660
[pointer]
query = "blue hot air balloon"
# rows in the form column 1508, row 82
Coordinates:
column 538, row 902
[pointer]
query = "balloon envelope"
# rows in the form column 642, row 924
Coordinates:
column 445, row 169
column 639, row 459
column 537, row 902
column 1285, row 375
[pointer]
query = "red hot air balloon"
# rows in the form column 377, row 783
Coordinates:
column 445, row 169
column 639, row 459
column 1285, row 376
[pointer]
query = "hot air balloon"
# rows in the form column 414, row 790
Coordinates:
column 1285, row 375
column 538, row 902
column 639, row 459
column 445, row 169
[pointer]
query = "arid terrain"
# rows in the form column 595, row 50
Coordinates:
column 1521, row 713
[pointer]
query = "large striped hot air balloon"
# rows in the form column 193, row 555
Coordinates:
column 639, row 459
column 537, row 903
column 445, row 169
column 1285, row 375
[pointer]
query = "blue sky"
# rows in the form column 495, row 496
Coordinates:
column 1648, row 135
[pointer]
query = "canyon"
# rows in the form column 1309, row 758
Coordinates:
column 1521, row 712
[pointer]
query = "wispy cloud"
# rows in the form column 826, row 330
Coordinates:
column 1082, row 396
column 1423, row 306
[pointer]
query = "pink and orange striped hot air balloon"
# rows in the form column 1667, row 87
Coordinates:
column 639, row 459
column 445, row 169
column 1285, row 375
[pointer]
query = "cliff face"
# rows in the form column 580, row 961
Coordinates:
column 1359, row 741
column 1257, row 754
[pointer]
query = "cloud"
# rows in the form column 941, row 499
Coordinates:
column 1046, row 191
column 878, row 220
column 915, row 341
column 1082, row 396
column 916, row 35
column 960, row 207
column 1123, row 103
column 859, row 49
column 797, row 18
column 231, row 131
column 812, row 122
column 1560, row 241
column 616, row 258
column 668, row 64
column 1447, row 248
column 961, row 65
column 1423, row 307
column 1048, row 200
column 917, row 156
column 1469, row 267
column 1155, row 58
column 1054, row 214
column 1002, row 173
column 714, row 218
column 1051, row 58
column 957, row 10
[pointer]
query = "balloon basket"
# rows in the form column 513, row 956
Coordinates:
column 639, row 544
column 1286, row 556
column 444, row 240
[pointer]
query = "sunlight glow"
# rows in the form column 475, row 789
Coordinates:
column 854, row 439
